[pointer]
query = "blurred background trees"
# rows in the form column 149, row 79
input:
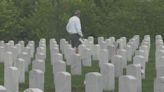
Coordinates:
column 33, row 19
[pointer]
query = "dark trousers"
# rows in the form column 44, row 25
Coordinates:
column 75, row 42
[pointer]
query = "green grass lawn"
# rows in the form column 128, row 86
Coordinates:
column 77, row 81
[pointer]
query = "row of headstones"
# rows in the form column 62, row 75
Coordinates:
column 106, row 55
column 55, row 69
column 117, row 59
column 159, row 64
column 90, row 51
column 142, row 54
column 159, row 55
column 36, row 75
column 62, row 79
column 94, row 82
column 139, row 60
column 17, row 58
column 97, row 82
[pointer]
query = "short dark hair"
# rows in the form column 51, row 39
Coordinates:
column 77, row 12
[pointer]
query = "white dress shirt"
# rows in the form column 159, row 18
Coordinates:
column 74, row 26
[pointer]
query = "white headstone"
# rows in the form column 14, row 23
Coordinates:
column 124, row 42
column 41, row 49
column 111, row 51
column 62, row 41
column 2, row 43
column 159, row 84
column 63, row 82
column 145, row 48
column 65, row 47
column 117, row 60
column 36, row 79
column 127, row 83
column 112, row 39
column 123, row 53
column 100, row 40
column 159, row 62
column 81, row 49
column 69, row 58
column 103, row 45
column 91, row 39
column 22, row 43
column 53, row 52
column 159, row 54
column 59, row 66
column 67, row 53
column 160, row 71
column 93, row 82
column 96, row 50
column 20, row 64
column 135, row 70
column 103, row 57
column 140, row 60
column 2, row 51
column 11, row 80
column 86, row 57
column 8, row 62
column 107, row 71
column 57, row 57
column 129, row 52
column 26, row 57
column 8, row 59
column 41, row 56
column 11, row 42
column 31, row 44
column 76, row 64
column 19, row 48
column 15, row 53
column 39, row 64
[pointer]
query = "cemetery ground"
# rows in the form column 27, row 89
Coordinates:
column 78, row 81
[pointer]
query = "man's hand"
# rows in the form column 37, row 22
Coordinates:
column 81, row 34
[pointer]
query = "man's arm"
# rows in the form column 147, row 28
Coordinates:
column 78, row 27
column 67, row 27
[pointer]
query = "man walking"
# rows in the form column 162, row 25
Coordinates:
column 74, row 29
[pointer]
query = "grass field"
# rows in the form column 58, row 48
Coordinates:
column 77, row 81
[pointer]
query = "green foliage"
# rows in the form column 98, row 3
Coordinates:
column 8, row 18
column 41, row 23
column 33, row 19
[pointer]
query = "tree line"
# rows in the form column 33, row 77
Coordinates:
column 33, row 19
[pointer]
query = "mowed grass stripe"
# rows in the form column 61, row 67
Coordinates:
column 148, row 83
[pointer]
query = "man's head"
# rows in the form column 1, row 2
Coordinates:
column 77, row 13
